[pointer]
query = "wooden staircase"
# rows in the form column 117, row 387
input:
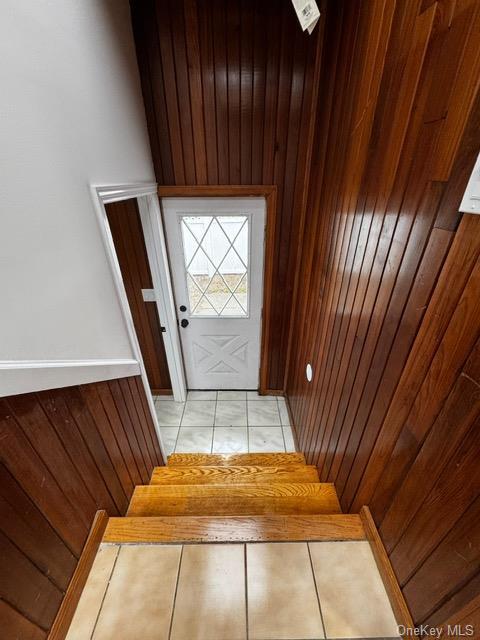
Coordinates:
column 241, row 497
column 260, row 497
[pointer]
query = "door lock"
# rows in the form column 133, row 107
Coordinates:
column 184, row 323
column 183, row 307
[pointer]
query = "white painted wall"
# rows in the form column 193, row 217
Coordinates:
column 71, row 114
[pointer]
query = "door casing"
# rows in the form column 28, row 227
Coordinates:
column 269, row 192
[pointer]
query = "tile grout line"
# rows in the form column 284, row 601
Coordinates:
column 316, row 591
column 105, row 593
column 180, row 425
column 214, row 420
column 281, row 427
column 246, row 589
column 175, row 593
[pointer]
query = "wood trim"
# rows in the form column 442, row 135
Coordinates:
column 216, row 191
column 269, row 192
column 399, row 606
column 70, row 601
column 161, row 392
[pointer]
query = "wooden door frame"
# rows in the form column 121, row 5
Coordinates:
column 269, row 192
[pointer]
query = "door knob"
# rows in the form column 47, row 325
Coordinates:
column 183, row 307
column 184, row 323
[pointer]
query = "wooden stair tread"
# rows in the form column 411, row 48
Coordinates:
column 169, row 529
column 234, row 459
column 240, row 499
column 235, row 474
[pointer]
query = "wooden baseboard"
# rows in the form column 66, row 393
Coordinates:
column 69, row 604
column 399, row 606
column 161, row 392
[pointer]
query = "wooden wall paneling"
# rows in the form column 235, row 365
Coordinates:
column 357, row 226
column 192, row 44
column 140, row 436
column 65, row 454
column 101, row 405
column 14, row 625
column 248, row 91
column 386, row 254
column 219, row 34
column 146, row 420
column 29, row 414
column 163, row 37
column 458, row 266
column 444, row 365
column 454, row 490
column 453, row 605
column 93, row 436
column 71, row 438
column 307, row 241
column 327, row 239
column 23, row 522
column 23, row 462
column 25, row 587
column 456, row 555
column 461, row 408
column 387, row 312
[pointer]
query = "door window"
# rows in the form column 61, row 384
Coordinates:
column 216, row 254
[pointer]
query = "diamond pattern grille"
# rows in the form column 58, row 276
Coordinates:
column 216, row 261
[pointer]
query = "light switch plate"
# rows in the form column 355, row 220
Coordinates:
column 148, row 295
column 471, row 198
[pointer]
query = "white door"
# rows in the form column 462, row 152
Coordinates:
column 215, row 247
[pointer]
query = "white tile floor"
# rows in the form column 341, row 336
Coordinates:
column 259, row 591
column 224, row 422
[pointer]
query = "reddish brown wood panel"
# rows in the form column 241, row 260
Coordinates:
column 229, row 88
column 387, row 307
column 65, row 454
column 127, row 233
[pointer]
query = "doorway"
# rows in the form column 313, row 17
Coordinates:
column 216, row 251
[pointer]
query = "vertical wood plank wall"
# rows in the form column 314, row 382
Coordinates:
column 228, row 89
column 64, row 454
column 388, row 309
column 127, row 233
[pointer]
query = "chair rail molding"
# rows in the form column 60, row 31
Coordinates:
column 24, row 376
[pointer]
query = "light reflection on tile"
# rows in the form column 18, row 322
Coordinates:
column 231, row 414
column 169, row 413
column 263, row 413
column 230, row 440
column 194, row 440
column 140, row 596
column 199, row 413
column 210, row 601
column 282, row 601
column 354, row 600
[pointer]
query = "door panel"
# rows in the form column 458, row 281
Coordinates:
column 215, row 247
column 127, row 233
